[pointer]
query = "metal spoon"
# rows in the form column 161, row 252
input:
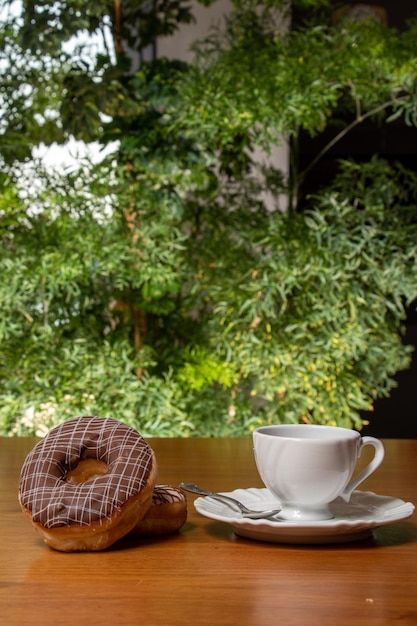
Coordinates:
column 234, row 504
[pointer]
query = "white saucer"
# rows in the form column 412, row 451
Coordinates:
column 352, row 521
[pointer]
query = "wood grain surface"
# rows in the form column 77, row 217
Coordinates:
column 206, row 575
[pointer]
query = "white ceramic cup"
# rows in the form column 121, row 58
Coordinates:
column 307, row 466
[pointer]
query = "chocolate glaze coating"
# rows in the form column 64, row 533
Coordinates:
column 53, row 502
column 166, row 494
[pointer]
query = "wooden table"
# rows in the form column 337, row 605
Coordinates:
column 206, row 575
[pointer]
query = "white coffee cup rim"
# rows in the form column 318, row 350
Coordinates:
column 313, row 431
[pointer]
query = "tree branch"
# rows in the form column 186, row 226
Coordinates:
column 358, row 120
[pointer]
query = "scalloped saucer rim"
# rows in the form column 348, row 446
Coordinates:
column 352, row 521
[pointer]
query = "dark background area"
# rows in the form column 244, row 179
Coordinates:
column 396, row 416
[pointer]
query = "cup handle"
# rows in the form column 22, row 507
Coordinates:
column 371, row 467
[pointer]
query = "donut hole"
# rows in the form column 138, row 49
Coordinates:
column 86, row 469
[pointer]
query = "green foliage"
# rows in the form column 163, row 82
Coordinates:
column 159, row 286
column 313, row 323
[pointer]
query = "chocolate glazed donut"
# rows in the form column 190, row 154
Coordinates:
column 167, row 513
column 87, row 483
